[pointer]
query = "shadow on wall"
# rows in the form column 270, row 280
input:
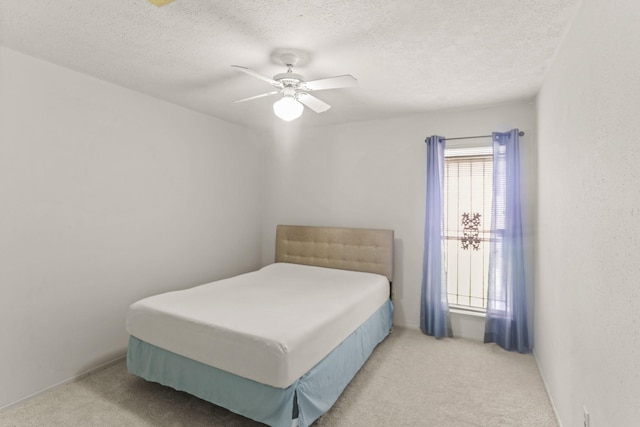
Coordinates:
column 398, row 250
column 397, row 294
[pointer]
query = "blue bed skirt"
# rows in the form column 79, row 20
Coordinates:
column 315, row 392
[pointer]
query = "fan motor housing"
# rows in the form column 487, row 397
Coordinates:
column 288, row 79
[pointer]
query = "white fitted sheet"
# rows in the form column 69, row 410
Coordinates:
column 271, row 325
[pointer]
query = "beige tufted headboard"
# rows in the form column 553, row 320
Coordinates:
column 357, row 249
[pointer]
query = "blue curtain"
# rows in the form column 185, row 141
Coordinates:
column 434, row 309
column 506, row 322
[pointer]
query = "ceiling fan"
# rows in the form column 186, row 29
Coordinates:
column 294, row 90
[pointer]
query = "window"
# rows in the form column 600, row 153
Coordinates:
column 468, row 188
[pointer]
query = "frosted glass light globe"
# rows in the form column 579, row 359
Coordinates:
column 288, row 108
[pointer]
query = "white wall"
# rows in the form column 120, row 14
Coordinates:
column 588, row 294
column 107, row 196
column 372, row 174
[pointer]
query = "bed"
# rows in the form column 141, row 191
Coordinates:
column 280, row 344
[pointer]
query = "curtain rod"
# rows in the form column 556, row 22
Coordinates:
column 478, row 136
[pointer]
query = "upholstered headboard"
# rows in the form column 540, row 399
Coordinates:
column 357, row 249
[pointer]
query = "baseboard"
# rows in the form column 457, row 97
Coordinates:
column 546, row 389
column 74, row 378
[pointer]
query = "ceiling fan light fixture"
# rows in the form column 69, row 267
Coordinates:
column 295, row 90
column 288, row 108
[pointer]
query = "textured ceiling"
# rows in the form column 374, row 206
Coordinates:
column 408, row 56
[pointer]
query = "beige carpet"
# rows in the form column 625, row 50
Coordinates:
column 410, row 380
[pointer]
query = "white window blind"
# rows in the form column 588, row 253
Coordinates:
column 467, row 220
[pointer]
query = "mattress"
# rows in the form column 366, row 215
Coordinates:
column 314, row 393
column 270, row 326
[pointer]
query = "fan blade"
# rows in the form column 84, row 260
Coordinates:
column 259, row 76
column 257, row 96
column 312, row 102
column 332, row 82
